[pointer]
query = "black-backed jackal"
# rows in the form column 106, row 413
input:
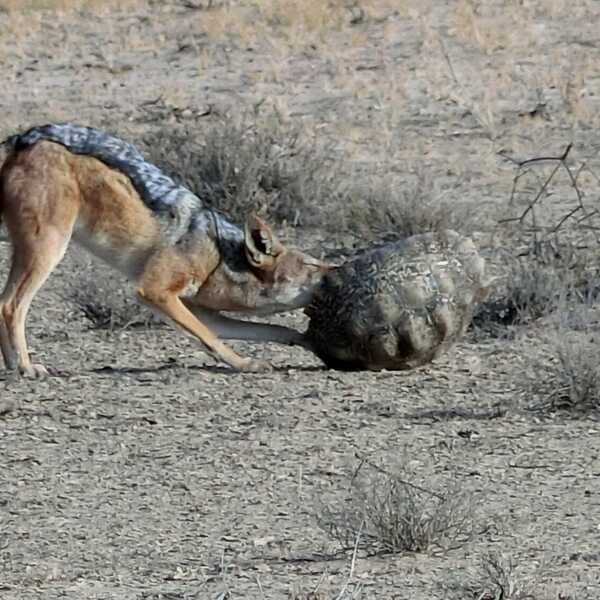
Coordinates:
column 187, row 260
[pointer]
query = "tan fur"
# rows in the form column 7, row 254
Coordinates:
column 48, row 195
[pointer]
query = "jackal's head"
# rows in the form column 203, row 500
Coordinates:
column 288, row 278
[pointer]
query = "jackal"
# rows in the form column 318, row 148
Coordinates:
column 188, row 261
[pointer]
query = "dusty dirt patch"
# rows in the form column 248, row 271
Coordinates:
column 147, row 472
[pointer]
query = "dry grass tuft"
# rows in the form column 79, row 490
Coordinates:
column 552, row 266
column 391, row 511
column 377, row 208
column 249, row 164
column 497, row 577
column 110, row 306
column 565, row 375
column 262, row 163
column 534, row 287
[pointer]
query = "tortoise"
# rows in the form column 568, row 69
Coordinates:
column 398, row 305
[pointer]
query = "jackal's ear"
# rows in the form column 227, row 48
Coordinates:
column 262, row 245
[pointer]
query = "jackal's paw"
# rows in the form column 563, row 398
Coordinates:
column 255, row 365
column 34, row 371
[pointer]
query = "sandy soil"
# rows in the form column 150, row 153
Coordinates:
column 147, row 472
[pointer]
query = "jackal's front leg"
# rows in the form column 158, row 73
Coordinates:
column 228, row 328
column 170, row 306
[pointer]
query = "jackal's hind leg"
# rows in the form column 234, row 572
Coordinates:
column 35, row 254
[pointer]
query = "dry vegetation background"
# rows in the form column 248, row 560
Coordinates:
column 147, row 472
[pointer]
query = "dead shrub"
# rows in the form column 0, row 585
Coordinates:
column 248, row 164
column 261, row 163
column 497, row 577
column 378, row 208
column 500, row 576
column 532, row 288
column 110, row 307
column 552, row 233
column 388, row 511
column 565, row 376
column 550, row 205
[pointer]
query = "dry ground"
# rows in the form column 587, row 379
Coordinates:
column 147, row 472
